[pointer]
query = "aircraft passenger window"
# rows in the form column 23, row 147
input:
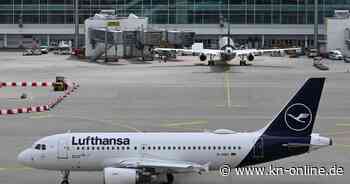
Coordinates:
column 93, row 148
column 169, row 147
column 37, row 147
column 189, row 147
column 82, row 148
column 204, row 147
column 164, row 148
column 219, row 147
column 194, row 147
column 223, row 147
column 214, row 147
column 179, row 147
column 159, row 148
column 199, row 147
column 98, row 148
column 123, row 148
column 78, row 148
column 107, row 147
column 43, row 147
column 174, row 148
column 239, row 147
column 229, row 147
column 234, row 147
column 184, row 147
column 88, row 148
column 127, row 147
column 209, row 147
column 143, row 148
column 113, row 148
column 117, row 147
column 102, row 148
column 135, row 148
column 149, row 147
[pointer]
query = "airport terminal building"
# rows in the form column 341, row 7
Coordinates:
column 256, row 23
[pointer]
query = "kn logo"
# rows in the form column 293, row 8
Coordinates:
column 298, row 117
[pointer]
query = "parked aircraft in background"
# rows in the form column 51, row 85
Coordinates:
column 226, row 52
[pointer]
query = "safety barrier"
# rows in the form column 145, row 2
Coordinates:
column 40, row 108
column 26, row 84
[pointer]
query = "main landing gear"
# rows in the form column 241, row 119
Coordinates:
column 242, row 62
column 65, row 177
column 211, row 63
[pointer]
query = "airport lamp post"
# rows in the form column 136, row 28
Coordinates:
column 316, row 26
column 76, row 22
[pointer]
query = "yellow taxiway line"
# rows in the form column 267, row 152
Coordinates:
column 227, row 89
column 175, row 124
column 40, row 115
column 343, row 124
column 14, row 168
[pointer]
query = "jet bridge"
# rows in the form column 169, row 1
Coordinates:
column 104, row 34
column 105, row 42
column 109, row 36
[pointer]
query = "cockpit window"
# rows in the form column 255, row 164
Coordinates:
column 37, row 147
column 40, row 147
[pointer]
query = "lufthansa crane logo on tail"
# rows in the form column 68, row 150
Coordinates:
column 298, row 117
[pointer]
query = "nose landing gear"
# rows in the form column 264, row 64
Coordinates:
column 170, row 178
column 65, row 177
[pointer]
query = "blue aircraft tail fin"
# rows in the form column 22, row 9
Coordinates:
column 297, row 118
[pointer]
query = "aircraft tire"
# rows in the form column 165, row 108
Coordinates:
column 243, row 63
column 65, row 182
column 211, row 63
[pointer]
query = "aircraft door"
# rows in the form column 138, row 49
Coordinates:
column 62, row 149
column 143, row 149
column 259, row 148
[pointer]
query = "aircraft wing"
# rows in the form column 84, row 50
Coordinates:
column 173, row 165
column 249, row 51
column 195, row 51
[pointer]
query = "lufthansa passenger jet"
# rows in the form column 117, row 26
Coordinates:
column 129, row 158
column 226, row 52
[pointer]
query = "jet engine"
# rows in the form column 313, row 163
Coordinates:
column 120, row 176
column 202, row 57
column 127, row 176
column 250, row 57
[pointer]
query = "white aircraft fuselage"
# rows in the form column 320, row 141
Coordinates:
column 96, row 151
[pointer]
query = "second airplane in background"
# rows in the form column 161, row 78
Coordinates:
column 226, row 53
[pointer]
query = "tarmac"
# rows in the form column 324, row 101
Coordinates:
column 180, row 95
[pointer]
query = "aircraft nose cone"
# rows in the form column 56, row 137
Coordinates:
column 25, row 157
